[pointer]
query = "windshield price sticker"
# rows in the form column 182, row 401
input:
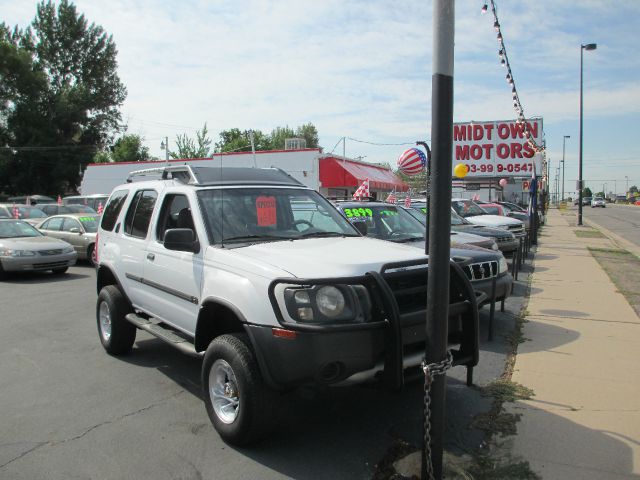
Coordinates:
column 87, row 219
column 266, row 211
column 358, row 212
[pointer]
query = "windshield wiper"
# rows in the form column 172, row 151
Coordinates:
column 250, row 238
column 409, row 239
column 326, row 234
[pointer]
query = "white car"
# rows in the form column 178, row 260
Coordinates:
column 598, row 202
column 276, row 288
column 475, row 214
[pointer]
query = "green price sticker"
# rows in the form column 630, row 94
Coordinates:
column 87, row 219
column 389, row 213
column 358, row 212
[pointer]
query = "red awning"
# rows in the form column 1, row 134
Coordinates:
column 339, row 173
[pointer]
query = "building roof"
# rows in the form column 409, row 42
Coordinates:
column 336, row 172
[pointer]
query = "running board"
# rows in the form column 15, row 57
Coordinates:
column 164, row 334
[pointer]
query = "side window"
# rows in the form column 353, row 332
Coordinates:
column 136, row 222
column 53, row 224
column 111, row 212
column 70, row 223
column 175, row 213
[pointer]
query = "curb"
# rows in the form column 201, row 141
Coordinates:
column 614, row 237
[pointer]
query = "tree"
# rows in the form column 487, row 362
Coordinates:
column 236, row 140
column 67, row 108
column 633, row 190
column 586, row 192
column 128, row 148
column 189, row 148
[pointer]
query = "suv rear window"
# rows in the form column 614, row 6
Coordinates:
column 111, row 212
column 136, row 223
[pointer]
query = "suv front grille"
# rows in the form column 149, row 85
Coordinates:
column 409, row 289
column 516, row 229
column 481, row 270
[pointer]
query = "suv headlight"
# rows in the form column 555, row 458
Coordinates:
column 502, row 265
column 328, row 303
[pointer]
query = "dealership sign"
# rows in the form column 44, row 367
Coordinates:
column 497, row 149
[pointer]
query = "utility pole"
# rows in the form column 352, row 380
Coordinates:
column 253, row 148
column 165, row 146
column 439, row 211
column 563, row 141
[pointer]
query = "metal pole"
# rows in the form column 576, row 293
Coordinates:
column 166, row 150
column 580, row 148
column 440, row 225
column 564, row 138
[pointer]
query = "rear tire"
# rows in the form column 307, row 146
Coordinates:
column 91, row 254
column 241, row 407
column 116, row 333
column 59, row 271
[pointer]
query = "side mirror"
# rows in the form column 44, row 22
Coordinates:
column 361, row 227
column 181, row 239
column 75, row 230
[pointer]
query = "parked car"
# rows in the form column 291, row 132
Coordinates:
column 501, row 210
column 94, row 201
column 476, row 215
column 221, row 261
column 506, row 241
column 78, row 229
column 458, row 238
column 54, row 209
column 598, row 202
column 394, row 224
column 29, row 214
column 25, row 249
column 586, row 200
column 31, row 199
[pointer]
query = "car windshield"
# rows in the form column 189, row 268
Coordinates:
column 4, row 213
column 31, row 212
column 491, row 209
column 17, row 229
column 90, row 223
column 386, row 222
column 80, row 209
column 419, row 213
column 250, row 215
column 466, row 208
column 457, row 219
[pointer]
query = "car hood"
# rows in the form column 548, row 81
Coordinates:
column 481, row 230
column 33, row 243
column 327, row 257
column 472, row 252
column 465, row 237
column 493, row 220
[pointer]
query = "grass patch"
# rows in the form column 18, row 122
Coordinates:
column 591, row 233
column 623, row 268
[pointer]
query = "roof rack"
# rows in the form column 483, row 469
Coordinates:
column 182, row 173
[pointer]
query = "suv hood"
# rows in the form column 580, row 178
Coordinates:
column 329, row 257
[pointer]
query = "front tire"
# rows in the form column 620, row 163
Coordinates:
column 91, row 254
column 241, row 407
column 116, row 333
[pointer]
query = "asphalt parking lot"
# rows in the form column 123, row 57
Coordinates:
column 70, row 411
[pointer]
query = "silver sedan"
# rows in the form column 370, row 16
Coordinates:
column 25, row 249
column 78, row 229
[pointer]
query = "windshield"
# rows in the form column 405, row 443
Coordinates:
column 457, row 219
column 491, row 209
column 31, row 212
column 419, row 213
column 17, row 229
column 80, row 209
column 466, row 208
column 250, row 215
column 90, row 223
column 387, row 222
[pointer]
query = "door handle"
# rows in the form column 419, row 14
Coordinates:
column 150, row 256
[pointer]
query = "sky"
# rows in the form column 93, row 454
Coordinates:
column 361, row 70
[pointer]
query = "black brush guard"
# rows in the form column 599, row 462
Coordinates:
column 398, row 294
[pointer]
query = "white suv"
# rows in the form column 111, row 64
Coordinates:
column 267, row 279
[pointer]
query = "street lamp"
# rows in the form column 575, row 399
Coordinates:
column 563, row 140
column 626, row 192
column 588, row 46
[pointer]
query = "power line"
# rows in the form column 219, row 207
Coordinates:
column 381, row 144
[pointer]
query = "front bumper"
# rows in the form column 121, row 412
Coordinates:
column 508, row 245
column 38, row 262
column 383, row 348
column 504, row 284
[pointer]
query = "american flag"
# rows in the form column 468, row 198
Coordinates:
column 59, row 200
column 362, row 191
column 100, row 208
column 15, row 212
column 412, row 161
column 391, row 198
column 407, row 201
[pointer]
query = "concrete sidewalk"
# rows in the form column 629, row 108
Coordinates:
column 583, row 363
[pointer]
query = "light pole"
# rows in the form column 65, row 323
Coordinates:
column 563, row 141
column 557, row 186
column 164, row 145
column 626, row 192
column 588, row 46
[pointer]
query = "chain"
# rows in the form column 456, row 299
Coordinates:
column 430, row 372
